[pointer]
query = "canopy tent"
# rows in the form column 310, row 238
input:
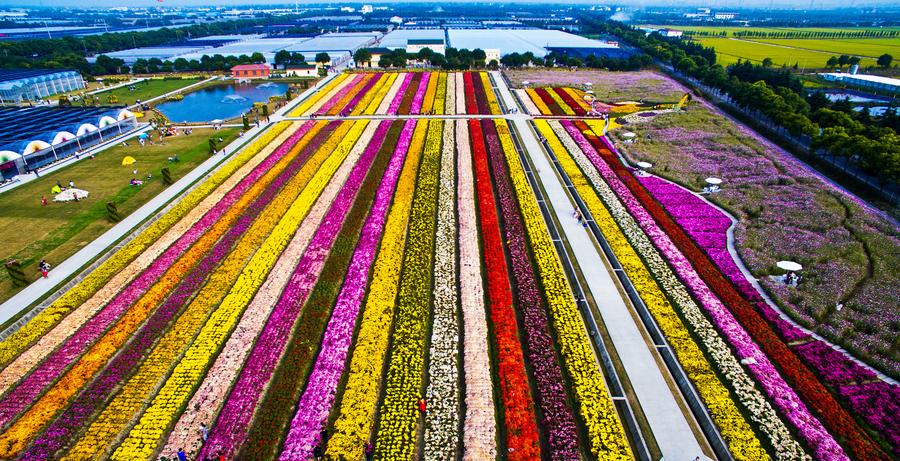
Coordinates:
column 8, row 156
column 713, row 181
column 789, row 266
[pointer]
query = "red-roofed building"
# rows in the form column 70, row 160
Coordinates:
column 250, row 71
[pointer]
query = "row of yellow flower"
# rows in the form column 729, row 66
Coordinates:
column 319, row 95
column 48, row 342
column 578, row 96
column 538, row 102
column 341, row 103
column 40, row 324
column 398, row 415
column 380, row 88
column 430, row 92
column 311, row 179
column 440, row 96
column 40, row 413
column 734, row 428
column 493, row 104
column 144, row 437
column 356, row 413
column 605, row 432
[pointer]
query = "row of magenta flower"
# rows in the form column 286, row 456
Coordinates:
column 404, row 93
column 215, row 315
column 697, row 258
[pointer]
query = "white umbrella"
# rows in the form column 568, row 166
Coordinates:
column 713, row 181
column 644, row 165
column 628, row 135
column 216, row 121
column 789, row 266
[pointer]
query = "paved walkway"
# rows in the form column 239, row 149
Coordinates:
column 65, row 270
column 671, row 428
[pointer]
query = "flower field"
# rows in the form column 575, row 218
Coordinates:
column 801, row 397
column 404, row 93
column 311, row 291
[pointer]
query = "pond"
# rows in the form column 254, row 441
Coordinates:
column 219, row 102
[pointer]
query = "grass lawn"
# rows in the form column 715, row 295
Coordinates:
column 785, row 212
column 58, row 230
column 146, row 89
column 870, row 47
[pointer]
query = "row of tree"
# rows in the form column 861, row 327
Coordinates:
column 217, row 62
column 795, row 34
column 451, row 59
column 884, row 61
column 836, row 128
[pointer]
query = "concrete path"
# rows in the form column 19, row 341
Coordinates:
column 671, row 428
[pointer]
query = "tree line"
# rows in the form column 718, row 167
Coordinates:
column 70, row 52
column 795, row 34
column 871, row 143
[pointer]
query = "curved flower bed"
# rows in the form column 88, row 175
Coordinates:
column 479, row 427
column 515, row 392
column 566, row 99
column 373, row 96
column 616, row 224
column 49, row 317
column 457, row 98
column 398, row 414
column 356, row 413
column 873, row 400
column 342, row 93
column 442, row 419
column 780, row 393
column 431, row 93
column 833, row 416
column 444, row 87
column 400, row 94
column 606, row 435
column 558, row 420
column 492, row 103
column 469, row 93
column 419, row 97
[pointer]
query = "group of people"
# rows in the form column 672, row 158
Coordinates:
column 792, row 278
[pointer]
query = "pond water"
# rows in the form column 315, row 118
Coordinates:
column 220, row 102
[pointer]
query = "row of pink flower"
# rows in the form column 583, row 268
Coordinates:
column 419, row 97
column 230, row 430
column 75, row 416
column 340, row 94
column 398, row 98
column 780, row 392
column 57, row 362
column 874, row 400
column 558, row 419
column 318, row 398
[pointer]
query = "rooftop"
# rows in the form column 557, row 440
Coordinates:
column 425, row 41
column 251, row 67
column 9, row 75
column 25, row 124
column 869, row 78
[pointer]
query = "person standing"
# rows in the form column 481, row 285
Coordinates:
column 181, row 455
column 423, row 406
column 369, row 451
column 204, row 431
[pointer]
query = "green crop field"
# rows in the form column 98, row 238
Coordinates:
column 866, row 47
column 730, row 30
column 729, row 50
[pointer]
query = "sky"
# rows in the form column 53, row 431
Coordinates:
column 711, row 4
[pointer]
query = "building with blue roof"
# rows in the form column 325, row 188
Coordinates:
column 18, row 85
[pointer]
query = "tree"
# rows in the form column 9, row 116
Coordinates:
column 297, row 58
column 832, row 61
column 885, row 60
column 245, row 121
column 767, row 62
column 282, row 58
column 181, row 64
column 425, row 54
column 362, row 55
column 323, row 58
column 843, row 60
column 854, row 60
